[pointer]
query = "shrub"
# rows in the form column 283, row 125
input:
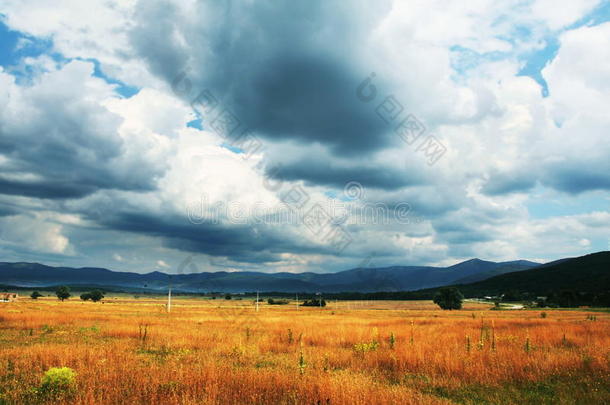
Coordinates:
column 58, row 381
column 35, row 295
column 366, row 347
column 271, row 301
column 314, row 303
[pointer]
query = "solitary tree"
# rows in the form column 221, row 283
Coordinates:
column 449, row 298
column 63, row 292
column 35, row 295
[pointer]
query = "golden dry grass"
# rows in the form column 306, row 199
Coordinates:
column 128, row 351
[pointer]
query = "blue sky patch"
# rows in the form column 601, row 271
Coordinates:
column 16, row 46
column 232, row 148
column 123, row 89
column 542, row 204
column 536, row 61
column 196, row 123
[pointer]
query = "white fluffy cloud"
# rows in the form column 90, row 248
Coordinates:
column 34, row 234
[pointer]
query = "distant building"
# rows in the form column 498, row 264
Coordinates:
column 8, row 297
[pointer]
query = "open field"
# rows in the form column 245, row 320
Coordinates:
column 128, row 351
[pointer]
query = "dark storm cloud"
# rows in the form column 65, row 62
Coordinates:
column 427, row 201
column 59, row 144
column 45, row 189
column 506, row 183
column 571, row 177
column 6, row 211
column 454, row 232
column 575, row 178
column 248, row 244
column 288, row 70
column 326, row 172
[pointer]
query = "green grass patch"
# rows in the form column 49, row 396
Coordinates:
column 558, row 390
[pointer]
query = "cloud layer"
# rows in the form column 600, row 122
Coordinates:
column 125, row 121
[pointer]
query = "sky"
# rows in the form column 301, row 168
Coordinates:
column 284, row 136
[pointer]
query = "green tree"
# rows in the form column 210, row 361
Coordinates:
column 449, row 298
column 63, row 292
column 35, row 295
column 96, row 295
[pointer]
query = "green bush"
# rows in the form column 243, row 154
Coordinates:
column 271, row 301
column 58, row 381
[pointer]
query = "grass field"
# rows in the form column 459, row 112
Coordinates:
column 131, row 351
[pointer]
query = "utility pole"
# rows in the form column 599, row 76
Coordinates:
column 169, row 295
column 169, row 299
column 257, row 301
column 297, row 302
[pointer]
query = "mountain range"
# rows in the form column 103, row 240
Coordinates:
column 395, row 278
column 589, row 273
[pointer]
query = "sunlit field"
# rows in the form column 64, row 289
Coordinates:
column 131, row 351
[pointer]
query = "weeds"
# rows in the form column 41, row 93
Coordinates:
column 143, row 332
column 366, row 347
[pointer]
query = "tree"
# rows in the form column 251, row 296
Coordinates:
column 35, row 295
column 96, row 295
column 63, row 292
column 449, row 298
column 228, row 297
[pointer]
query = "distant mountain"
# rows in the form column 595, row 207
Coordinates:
column 503, row 268
column 395, row 278
column 590, row 273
